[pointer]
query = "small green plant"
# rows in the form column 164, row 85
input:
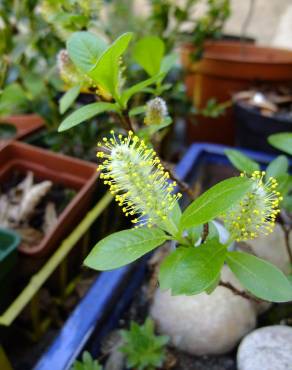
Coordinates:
column 143, row 349
column 87, row 363
column 248, row 204
column 92, row 64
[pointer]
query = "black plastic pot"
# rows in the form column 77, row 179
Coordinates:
column 253, row 128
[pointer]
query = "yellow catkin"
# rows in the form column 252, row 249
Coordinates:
column 256, row 213
column 137, row 179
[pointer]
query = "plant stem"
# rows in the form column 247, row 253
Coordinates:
column 126, row 120
column 205, row 232
column 286, row 231
column 236, row 291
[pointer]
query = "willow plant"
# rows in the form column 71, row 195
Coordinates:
column 247, row 204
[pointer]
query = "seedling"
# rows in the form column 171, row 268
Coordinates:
column 143, row 349
column 87, row 363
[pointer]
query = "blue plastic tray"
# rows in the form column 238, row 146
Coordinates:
column 112, row 292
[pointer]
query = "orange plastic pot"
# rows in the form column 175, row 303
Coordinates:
column 25, row 124
column 226, row 68
column 60, row 169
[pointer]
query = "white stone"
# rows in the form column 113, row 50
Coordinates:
column 268, row 348
column 204, row 324
column 272, row 248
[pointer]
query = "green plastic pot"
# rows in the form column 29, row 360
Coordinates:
column 9, row 241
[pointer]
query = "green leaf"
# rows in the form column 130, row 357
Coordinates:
column 241, row 161
column 284, row 184
column 175, row 214
column 142, row 348
column 69, row 98
column 148, row 53
column 87, row 363
column 192, row 270
column 106, row 70
column 215, row 201
column 282, row 141
column 84, row 49
column 124, row 247
column 141, row 109
column 13, row 99
column 148, row 131
column 128, row 93
column 279, row 166
column 213, row 286
column 195, row 232
column 260, row 277
column 287, row 203
column 167, row 63
column 84, row 113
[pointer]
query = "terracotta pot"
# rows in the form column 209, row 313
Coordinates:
column 25, row 124
column 73, row 173
column 228, row 67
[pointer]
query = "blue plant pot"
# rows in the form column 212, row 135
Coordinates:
column 108, row 298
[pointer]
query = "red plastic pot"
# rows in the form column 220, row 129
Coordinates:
column 226, row 68
column 60, row 169
column 25, row 124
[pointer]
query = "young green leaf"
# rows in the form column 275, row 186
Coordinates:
column 139, row 87
column 86, row 112
column 279, row 166
column 287, row 203
column 284, row 184
column 87, row 363
column 192, row 270
column 106, row 70
column 167, row 63
column 215, row 201
column 241, row 161
column 68, row 98
column 176, row 214
column 141, row 109
column 260, row 277
column 142, row 348
column 282, row 141
column 148, row 53
column 148, row 131
column 84, row 49
column 124, row 247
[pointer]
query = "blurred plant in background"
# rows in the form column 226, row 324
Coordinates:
column 29, row 82
column 34, row 32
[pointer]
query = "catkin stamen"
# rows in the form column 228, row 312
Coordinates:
column 256, row 213
column 137, row 179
